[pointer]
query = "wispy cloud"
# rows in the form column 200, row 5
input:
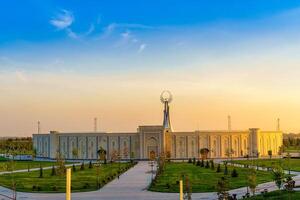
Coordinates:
column 21, row 76
column 109, row 29
column 63, row 20
column 142, row 47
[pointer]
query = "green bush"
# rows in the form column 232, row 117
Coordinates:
column 74, row 168
column 198, row 163
column 190, row 160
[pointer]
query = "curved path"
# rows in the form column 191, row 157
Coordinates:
column 132, row 185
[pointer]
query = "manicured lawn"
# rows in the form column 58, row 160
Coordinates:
column 280, row 195
column 294, row 163
column 202, row 179
column 17, row 165
column 292, row 149
column 82, row 180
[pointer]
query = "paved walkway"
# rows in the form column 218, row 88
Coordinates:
column 132, row 185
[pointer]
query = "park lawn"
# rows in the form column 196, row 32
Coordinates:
column 202, row 179
column 292, row 149
column 82, row 180
column 294, row 163
column 280, row 195
column 17, row 165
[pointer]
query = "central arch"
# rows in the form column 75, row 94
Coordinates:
column 152, row 147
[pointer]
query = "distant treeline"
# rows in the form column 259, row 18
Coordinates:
column 21, row 145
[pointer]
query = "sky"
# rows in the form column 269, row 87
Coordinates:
column 65, row 62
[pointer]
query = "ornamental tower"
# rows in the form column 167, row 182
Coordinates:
column 166, row 98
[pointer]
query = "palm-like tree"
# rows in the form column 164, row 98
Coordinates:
column 204, row 153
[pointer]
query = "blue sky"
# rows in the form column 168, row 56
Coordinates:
column 238, row 57
column 29, row 20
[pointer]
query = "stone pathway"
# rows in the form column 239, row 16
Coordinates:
column 132, row 185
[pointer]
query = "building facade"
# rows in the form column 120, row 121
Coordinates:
column 157, row 139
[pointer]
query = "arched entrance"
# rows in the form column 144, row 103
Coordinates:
column 152, row 147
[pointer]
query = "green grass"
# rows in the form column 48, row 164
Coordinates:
column 294, row 163
column 202, row 179
column 292, row 149
column 82, row 180
column 278, row 195
column 17, row 165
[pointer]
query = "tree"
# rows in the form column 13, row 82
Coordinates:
column 41, row 172
column 252, row 180
column 102, row 154
column 222, row 188
column 278, row 176
column 229, row 152
column 60, row 163
column 289, row 162
column 204, row 153
column 270, row 153
column 75, row 153
column 225, row 169
column 114, row 156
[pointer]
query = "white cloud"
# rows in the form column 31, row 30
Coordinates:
column 72, row 34
column 142, row 47
column 63, row 20
column 114, row 26
column 21, row 76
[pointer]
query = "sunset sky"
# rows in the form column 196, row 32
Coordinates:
column 64, row 63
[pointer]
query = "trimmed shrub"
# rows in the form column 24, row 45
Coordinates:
column 198, row 163
column 212, row 165
column 74, row 168
column 190, row 160
column 54, row 188
column 202, row 163
column 82, row 166
column 194, row 160
column 219, row 168
column 207, row 164
column 225, row 170
column 33, row 187
column 53, row 172
column 234, row 173
column 86, row 186
column 41, row 172
column 168, row 186
column 90, row 165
